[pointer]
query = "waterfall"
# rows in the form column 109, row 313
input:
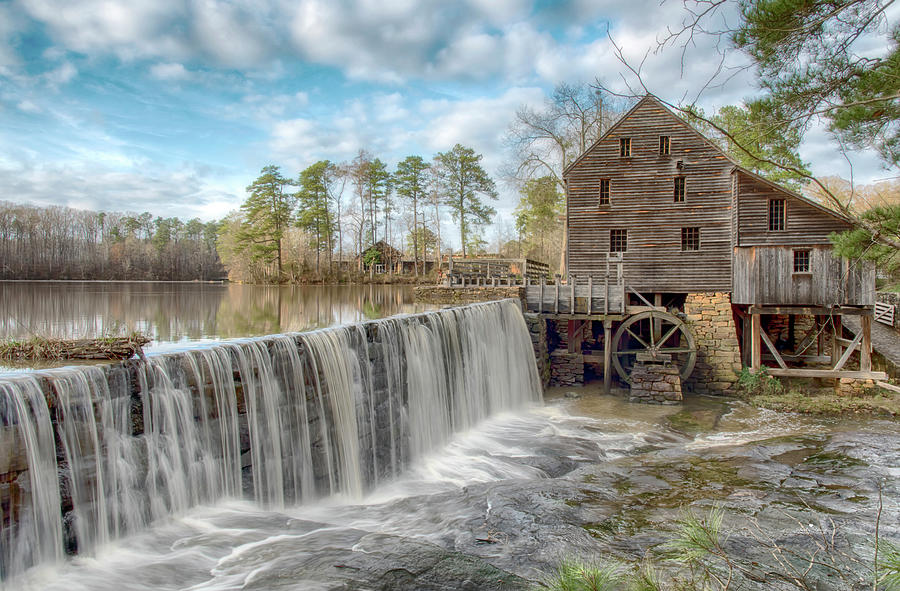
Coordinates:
column 31, row 530
column 280, row 420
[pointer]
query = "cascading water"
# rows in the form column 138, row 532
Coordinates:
column 280, row 420
column 31, row 531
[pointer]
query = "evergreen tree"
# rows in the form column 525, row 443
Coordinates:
column 461, row 179
column 538, row 212
column 267, row 214
column 313, row 208
column 411, row 180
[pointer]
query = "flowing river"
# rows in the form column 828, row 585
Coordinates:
column 407, row 453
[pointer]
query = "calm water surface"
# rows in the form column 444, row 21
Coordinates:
column 181, row 314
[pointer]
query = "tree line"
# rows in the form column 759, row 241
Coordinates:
column 334, row 218
column 65, row 243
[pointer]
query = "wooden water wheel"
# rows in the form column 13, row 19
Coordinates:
column 659, row 334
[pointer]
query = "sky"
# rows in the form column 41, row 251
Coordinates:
column 174, row 106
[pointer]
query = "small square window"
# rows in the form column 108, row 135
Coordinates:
column 679, row 189
column 663, row 145
column 690, row 239
column 801, row 261
column 625, row 147
column 604, row 192
column 618, row 240
column 776, row 215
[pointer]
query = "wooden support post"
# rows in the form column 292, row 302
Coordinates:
column 574, row 282
column 541, row 299
column 607, row 356
column 590, row 298
column 657, row 323
column 755, row 342
column 576, row 335
column 745, row 340
column 556, row 298
column 792, row 321
column 835, row 340
column 820, row 338
column 865, row 350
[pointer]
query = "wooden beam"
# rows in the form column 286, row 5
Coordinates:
column 803, row 358
column 810, row 310
column 848, row 352
column 820, row 335
column 837, row 323
column 607, row 357
column 755, row 330
column 772, row 349
column 888, row 386
column 865, row 350
column 576, row 335
column 827, row 373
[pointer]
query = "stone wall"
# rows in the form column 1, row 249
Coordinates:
column 454, row 296
column 655, row 383
column 566, row 369
column 537, row 329
column 711, row 321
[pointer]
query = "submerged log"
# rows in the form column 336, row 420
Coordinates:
column 39, row 348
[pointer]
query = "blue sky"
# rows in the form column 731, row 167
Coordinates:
column 173, row 106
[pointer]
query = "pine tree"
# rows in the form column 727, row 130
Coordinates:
column 267, row 213
column 461, row 179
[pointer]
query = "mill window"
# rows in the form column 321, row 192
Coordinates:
column 690, row 239
column 625, row 147
column 663, row 145
column 777, row 215
column 604, row 192
column 801, row 261
column 618, row 240
column 679, row 189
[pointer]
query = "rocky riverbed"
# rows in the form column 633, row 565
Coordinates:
column 590, row 477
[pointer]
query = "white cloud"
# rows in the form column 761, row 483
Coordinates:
column 26, row 106
column 10, row 21
column 170, row 71
column 61, row 75
column 184, row 192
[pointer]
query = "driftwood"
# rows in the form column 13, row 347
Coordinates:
column 39, row 348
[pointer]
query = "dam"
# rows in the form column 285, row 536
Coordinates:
column 95, row 453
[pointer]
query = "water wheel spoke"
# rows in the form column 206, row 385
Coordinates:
column 677, row 350
column 670, row 327
column 637, row 338
column 667, row 336
column 628, row 351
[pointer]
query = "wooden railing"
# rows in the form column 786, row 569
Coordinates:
column 589, row 296
column 464, row 272
column 884, row 313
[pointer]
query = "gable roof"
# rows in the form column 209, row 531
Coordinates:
column 648, row 98
column 835, row 214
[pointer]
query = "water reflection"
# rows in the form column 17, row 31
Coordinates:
column 184, row 312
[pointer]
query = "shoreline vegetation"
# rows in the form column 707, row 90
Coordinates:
column 48, row 349
column 809, row 397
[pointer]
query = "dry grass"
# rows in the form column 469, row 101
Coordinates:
column 44, row 349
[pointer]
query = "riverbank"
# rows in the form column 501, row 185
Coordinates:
column 812, row 398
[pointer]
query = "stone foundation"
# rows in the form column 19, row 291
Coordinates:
column 852, row 386
column 655, row 383
column 711, row 321
column 537, row 329
column 566, row 369
column 456, row 296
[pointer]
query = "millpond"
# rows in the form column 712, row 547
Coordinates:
column 412, row 452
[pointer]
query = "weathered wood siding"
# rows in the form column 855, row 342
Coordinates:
column 642, row 201
column 764, row 275
column 805, row 224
